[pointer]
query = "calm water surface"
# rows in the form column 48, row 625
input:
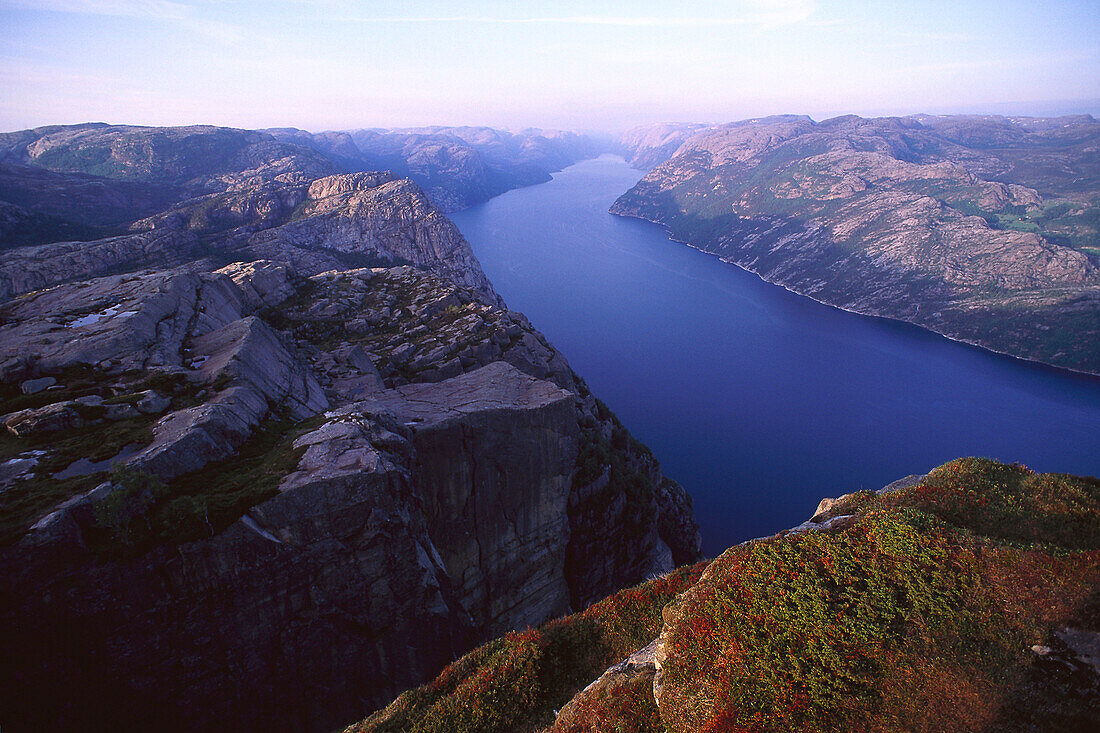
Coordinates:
column 759, row 401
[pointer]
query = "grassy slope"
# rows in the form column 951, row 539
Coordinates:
column 515, row 682
column 917, row 613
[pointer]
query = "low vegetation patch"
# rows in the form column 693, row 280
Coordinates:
column 97, row 441
column 146, row 511
column 1009, row 503
column 919, row 615
column 607, row 450
column 621, row 706
column 516, row 682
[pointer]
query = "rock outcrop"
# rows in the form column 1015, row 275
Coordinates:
column 323, row 490
column 275, row 447
column 904, row 218
column 33, row 268
column 218, row 194
column 374, row 218
column 498, row 452
column 650, row 145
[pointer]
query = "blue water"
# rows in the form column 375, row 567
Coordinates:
column 759, row 401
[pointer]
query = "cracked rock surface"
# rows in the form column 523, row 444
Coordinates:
column 353, row 476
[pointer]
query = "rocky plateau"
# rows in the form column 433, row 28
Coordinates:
column 273, row 449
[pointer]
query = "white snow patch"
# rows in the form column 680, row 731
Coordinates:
column 93, row 318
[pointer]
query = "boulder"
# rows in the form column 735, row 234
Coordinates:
column 151, row 403
column 34, row 386
column 49, row 419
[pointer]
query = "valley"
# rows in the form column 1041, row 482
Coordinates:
column 758, row 400
column 282, row 451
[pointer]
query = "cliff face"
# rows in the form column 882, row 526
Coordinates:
column 978, row 228
column 961, row 600
column 274, row 493
column 370, row 216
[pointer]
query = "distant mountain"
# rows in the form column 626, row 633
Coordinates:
column 81, row 182
column 164, row 196
column 985, row 229
column 456, row 166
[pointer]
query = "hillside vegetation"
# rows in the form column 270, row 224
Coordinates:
column 967, row 602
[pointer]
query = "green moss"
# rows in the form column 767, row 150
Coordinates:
column 28, row 500
column 98, row 440
column 203, row 503
column 121, row 516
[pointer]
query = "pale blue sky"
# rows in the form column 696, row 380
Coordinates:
column 331, row 64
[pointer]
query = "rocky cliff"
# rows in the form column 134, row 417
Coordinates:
column 962, row 600
column 650, row 145
column 83, row 182
column 982, row 229
column 273, row 493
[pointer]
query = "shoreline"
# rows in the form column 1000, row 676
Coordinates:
column 891, row 319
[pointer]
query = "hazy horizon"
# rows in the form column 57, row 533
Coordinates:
column 337, row 64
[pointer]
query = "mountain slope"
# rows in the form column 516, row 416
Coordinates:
column 963, row 600
column 456, row 166
column 993, row 243
column 176, row 195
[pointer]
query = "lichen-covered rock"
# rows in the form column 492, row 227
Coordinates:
column 33, row 268
column 48, row 419
column 263, row 284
